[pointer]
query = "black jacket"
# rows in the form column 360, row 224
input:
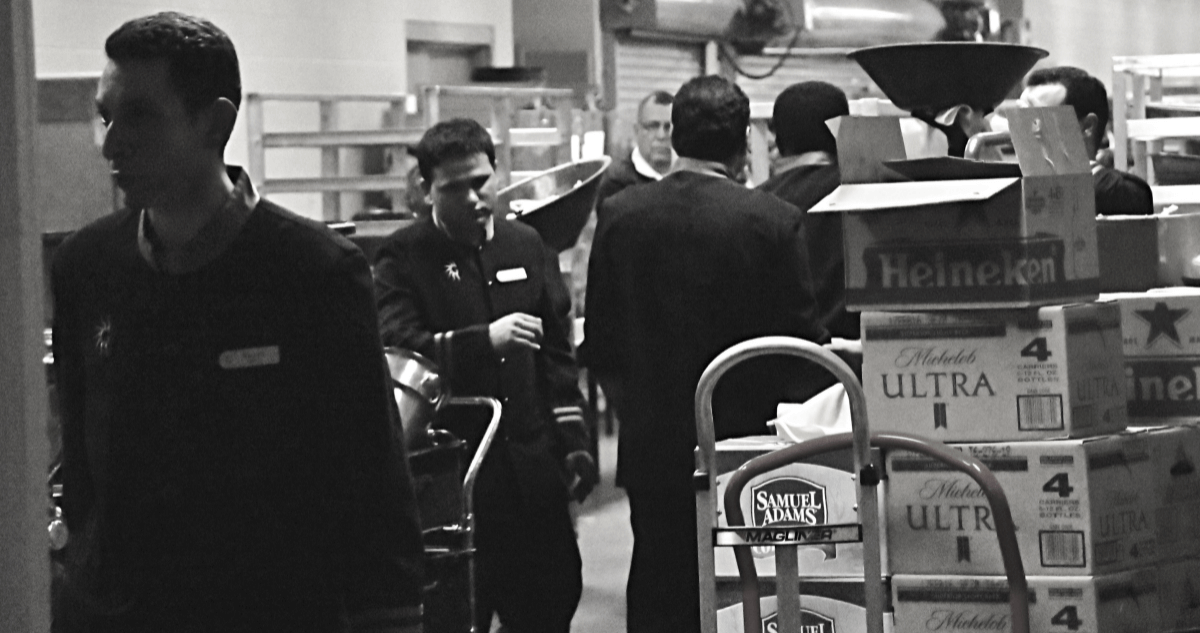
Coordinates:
column 687, row 267
column 804, row 187
column 228, row 433
column 437, row 297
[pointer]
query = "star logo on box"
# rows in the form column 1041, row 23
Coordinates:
column 810, row 622
column 1163, row 321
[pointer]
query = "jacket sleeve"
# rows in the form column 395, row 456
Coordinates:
column 70, row 389
column 380, row 538
column 796, row 300
column 403, row 317
column 602, row 325
column 556, row 360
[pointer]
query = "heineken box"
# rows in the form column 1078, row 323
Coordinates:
column 826, row 606
column 967, row 240
column 819, row 491
column 1160, row 329
column 995, row 375
column 1123, row 602
column 1081, row 507
column 1179, row 594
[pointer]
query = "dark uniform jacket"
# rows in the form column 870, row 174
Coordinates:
column 804, row 186
column 437, row 297
column 619, row 175
column 687, row 267
column 1121, row 193
column 229, row 447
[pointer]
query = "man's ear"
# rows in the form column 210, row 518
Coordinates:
column 222, row 115
column 1090, row 124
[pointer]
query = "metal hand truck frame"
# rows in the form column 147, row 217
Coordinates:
column 786, row 540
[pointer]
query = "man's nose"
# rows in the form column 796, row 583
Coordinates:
column 114, row 146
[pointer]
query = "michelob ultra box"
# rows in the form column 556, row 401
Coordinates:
column 1160, row 329
column 1081, row 507
column 1123, row 602
column 968, row 243
column 995, row 375
column 819, row 491
column 1179, row 594
column 1175, row 455
column 826, row 606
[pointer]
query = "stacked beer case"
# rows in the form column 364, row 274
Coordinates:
column 981, row 328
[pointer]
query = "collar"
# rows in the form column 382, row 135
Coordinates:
column 643, row 166
column 786, row 163
column 210, row 241
column 489, row 229
column 703, row 167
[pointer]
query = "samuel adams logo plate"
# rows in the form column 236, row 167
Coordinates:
column 809, row 623
column 788, row 501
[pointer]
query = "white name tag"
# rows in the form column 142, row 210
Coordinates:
column 512, row 274
column 249, row 357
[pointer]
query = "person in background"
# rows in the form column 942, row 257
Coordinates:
column 651, row 156
column 686, row 267
column 1117, row 192
column 232, row 460
column 806, row 172
column 484, row 299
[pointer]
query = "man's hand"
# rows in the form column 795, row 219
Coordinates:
column 515, row 331
column 584, row 473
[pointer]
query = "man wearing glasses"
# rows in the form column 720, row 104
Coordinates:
column 651, row 156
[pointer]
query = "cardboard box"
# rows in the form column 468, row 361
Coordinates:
column 826, row 606
column 1160, row 331
column 1175, row 455
column 1081, row 507
column 818, row 491
column 1125, row 602
column 986, row 243
column 1140, row 252
column 995, row 375
column 1179, row 595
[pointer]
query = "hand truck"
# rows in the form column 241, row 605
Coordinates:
column 788, row 537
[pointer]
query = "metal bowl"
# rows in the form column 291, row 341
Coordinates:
column 418, row 391
column 933, row 76
column 556, row 202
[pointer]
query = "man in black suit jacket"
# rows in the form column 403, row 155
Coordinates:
column 687, row 267
column 485, row 300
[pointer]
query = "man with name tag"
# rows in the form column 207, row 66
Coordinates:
column 231, row 455
column 484, row 299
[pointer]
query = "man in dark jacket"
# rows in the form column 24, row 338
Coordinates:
column 650, row 157
column 485, row 300
column 1117, row 192
column 230, row 461
column 806, row 172
column 687, row 267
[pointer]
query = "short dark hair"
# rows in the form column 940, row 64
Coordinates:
column 658, row 97
column 452, row 140
column 202, row 64
column 709, row 119
column 799, row 116
column 1085, row 93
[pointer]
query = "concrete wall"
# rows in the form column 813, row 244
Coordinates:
column 290, row 46
column 1088, row 33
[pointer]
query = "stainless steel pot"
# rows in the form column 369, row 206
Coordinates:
column 418, row 391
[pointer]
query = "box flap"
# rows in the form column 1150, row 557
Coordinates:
column 863, row 144
column 1048, row 141
column 892, row 195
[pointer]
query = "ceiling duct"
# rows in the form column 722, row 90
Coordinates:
column 822, row 23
